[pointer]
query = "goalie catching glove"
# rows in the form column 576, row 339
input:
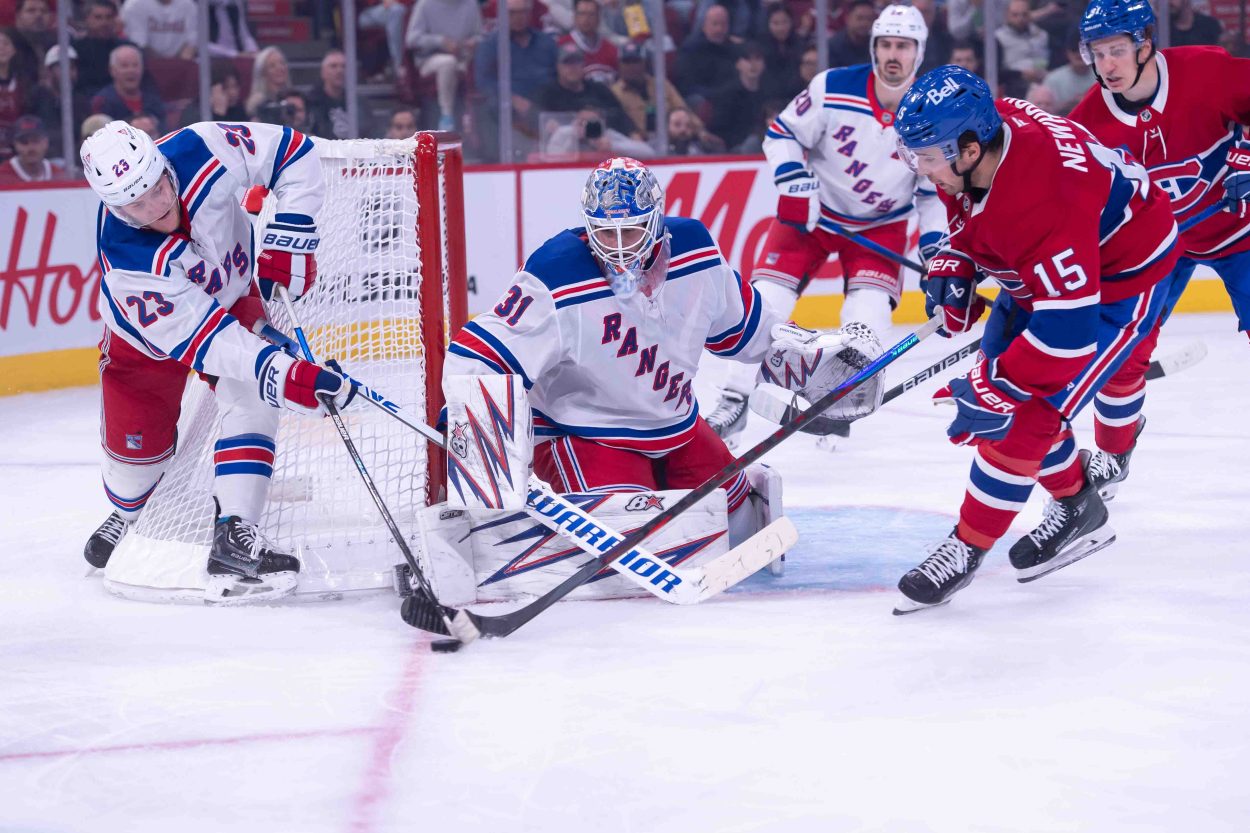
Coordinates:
column 811, row 363
column 297, row 385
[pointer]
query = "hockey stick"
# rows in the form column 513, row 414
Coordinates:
column 1186, row 357
column 465, row 634
column 1209, row 211
column 680, row 586
column 874, row 246
column 507, row 623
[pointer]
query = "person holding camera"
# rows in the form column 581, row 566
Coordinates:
column 572, row 91
column 589, row 134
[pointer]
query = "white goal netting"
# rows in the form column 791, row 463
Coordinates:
column 367, row 311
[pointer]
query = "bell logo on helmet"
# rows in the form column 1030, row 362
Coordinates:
column 948, row 88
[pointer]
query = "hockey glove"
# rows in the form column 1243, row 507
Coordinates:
column 951, row 290
column 288, row 255
column 812, row 363
column 297, row 385
column 1237, row 181
column 987, row 405
column 799, row 203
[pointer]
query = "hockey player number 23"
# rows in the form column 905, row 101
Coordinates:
column 146, row 318
column 505, row 307
column 1062, row 270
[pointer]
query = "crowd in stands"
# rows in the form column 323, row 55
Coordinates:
column 580, row 71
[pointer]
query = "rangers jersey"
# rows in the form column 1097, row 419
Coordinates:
column 167, row 294
column 617, row 372
column 1183, row 137
column 837, row 130
column 1066, row 224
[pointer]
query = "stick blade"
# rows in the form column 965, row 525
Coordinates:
column 1186, row 357
column 748, row 558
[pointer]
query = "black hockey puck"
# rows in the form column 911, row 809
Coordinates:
column 446, row 646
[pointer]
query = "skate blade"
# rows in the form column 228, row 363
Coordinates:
column 235, row 591
column 1087, row 546
column 906, row 605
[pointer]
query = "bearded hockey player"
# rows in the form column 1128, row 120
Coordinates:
column 177, row 296
column 1083, row 246
column 834, row 159
column 604, row 328
column 1181, row 112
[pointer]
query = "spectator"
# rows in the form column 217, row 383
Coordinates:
column 1024, row 46
column 292, row 110
column 1191, row 28
column 271, row 75
column 94, row 47
column 327, row 104
column 228, row 34
column 403, row 124
column 571, row 92
column 147, row 123
column 224, row 94
column 48, row 96
column 442, row 35
column 602, row 58
column 708, row 58
column 809, row 65
column 1043, row 97
column 738, row 107
column 782, row 53
column 90, row 125
column 741, row 15
column 589, row 134
column 937, row 49
column 163, row 27
column 964, row 19
column 965, row 54
column 850, row 46
column 30, row 164
column 635, row 90
column 127, row 96
column 1070, row 81
column 533, row 67
column 390, row 16
column 688, row 137
column 17, row 90
column 36, row 32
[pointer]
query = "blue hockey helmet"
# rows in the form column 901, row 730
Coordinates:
column 623, row 210
column 944, row 104
column 1108, row 18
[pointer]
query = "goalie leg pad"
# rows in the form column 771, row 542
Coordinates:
column 490, row 441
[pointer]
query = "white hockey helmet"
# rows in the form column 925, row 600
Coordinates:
column 897, row 21
column 122, row 165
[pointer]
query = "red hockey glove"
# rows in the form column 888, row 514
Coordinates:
column 799, row 203
column 297, row 385
column 287, row 258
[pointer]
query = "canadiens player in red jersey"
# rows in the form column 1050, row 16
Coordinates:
column 1083, row 247
column 1181, row 112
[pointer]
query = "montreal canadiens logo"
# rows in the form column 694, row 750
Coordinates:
column 1182, row 182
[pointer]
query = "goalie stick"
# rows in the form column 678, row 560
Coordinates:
column 507, row 623
column 780, row 405
column 684, row 586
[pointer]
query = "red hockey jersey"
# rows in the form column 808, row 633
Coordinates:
column 1066, row 225
column 1183, row 137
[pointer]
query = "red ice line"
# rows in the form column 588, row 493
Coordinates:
column 375, row 787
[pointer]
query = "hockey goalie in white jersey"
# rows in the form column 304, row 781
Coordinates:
column 603, row 329
column 833, row 155
column 177, row 295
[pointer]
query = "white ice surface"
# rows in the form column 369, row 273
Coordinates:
column 1111, row 696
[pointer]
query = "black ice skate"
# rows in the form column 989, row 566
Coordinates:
column 1071, row 528
column 243, row 569
column 730, row 417
column 950, row 567
column 104, row 540
column 1107, row 471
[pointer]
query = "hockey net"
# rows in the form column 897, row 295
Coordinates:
column 390, row 289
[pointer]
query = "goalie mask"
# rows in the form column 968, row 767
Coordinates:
column 623, row 209
column 129, row 174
